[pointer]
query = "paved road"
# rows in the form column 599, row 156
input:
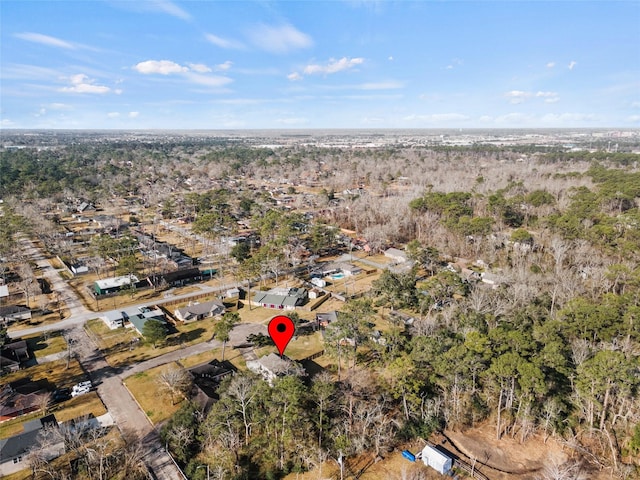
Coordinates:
column 67, row 294
column 80, row 318
column 122, row 406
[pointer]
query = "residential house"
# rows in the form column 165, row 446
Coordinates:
column 349, row 270
column 14, row 313
column 114, row 284
column 86, row 207
column 281, row 299
column 15, row 450
column 273, row 366
column 398, row 256
column 206, row 379
column 20, row 397
column 113, row 319
column 13, row 355
column 178, row 278
column 198, row 311
column 324, row 319
column 139, row 316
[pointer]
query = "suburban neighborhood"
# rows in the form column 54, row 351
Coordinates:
column 429, row 320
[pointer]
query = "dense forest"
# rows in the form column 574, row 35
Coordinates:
column 553, row 350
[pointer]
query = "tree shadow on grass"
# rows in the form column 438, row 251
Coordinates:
column 186, row 337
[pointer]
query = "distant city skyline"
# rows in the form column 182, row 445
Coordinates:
column 159, row 64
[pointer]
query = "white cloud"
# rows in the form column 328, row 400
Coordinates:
column 390, row 58
column 207, row 80
column 331, row 67
column 549, row 97
column 486, row 118
column 223, row 42
column 634, row 118
column 572, row 64
column 282, row 39
column 199, row 67
column 133, row 114
column 456, row 62
column 162, row 67
column 292, row 121
column 381, row 86
column 517, row 96
column 635, row 104
column 5, row 122
column 58, row 106
column 568, row 119
column 438, row 118
column 514, row 118
column 334, row 66
column 194, row 73
column 81, row 83
column 45, row 40
column 551, row 64
column 165, row 6
column 224, row 66
column 113, row 114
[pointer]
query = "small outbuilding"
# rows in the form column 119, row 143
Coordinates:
column 437, row 460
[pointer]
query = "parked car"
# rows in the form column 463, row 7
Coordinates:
column 81, row 385
column 80, row 391
column 61, row 394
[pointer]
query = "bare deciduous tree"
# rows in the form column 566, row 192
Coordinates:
column 175, row 381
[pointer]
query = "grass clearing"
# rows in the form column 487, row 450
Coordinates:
column 55, row 373
column 144, row 387
column 304, row 346
column 46, row 344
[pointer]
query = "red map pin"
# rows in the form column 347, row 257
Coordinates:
column 281, row 330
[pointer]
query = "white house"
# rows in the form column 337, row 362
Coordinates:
column 113, row 319
column 437, row 460
column 396, row 255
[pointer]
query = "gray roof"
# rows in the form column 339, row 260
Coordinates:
column 20, row 444
column 293, row 297
column 275, row 364
column 200, row 308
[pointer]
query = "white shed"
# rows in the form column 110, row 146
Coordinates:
column 437, row 460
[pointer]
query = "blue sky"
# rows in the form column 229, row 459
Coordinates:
column 311, row 64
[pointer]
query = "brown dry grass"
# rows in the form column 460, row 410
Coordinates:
column 116, row 344
column 55, row 372
column 144, row 387
column 73, row 408
column 42, row 347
